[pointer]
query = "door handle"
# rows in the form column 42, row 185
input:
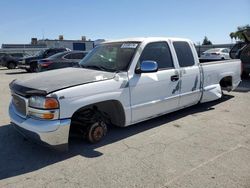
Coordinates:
column 174, row 78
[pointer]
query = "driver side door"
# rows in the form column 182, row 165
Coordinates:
column 157, row 93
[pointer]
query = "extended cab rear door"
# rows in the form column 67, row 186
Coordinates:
column 154, row 93
column 190, row 74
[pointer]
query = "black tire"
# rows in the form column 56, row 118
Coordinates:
column 11, row 65
column 33, row 67
column 28, row 70
column 96, row 132
column 244, row 74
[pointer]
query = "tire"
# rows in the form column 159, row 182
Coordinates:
column 11, row 65
column 244, row 74
column 96, row 132
column 28, row 70
column 33, row 67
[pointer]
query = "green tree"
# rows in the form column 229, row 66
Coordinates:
column 232, row 36
column 238, row 35
column 206, row 41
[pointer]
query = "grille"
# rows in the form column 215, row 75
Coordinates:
column 19, row 104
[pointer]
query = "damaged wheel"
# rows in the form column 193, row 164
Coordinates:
column 96, row 132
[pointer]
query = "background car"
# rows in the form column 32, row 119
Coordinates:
column 241, row 50
column 61, row 60
column 30, row 63
column 215, row 54
column 10, row 60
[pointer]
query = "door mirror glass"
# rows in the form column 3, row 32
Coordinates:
column 147, row 67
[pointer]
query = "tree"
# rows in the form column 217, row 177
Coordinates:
column 232, row 36
column 238, row 35
column 206, row 41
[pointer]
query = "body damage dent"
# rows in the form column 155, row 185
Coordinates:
column 212, row 92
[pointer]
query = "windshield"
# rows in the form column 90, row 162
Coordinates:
column 39, row 53
column 111, row 56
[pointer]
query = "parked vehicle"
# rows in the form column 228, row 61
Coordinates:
column 10, row 59
column 30, row 63
column 61, row 60
column 215, row 54
column 241, row 51
column 119, row 83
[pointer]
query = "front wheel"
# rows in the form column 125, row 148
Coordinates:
column 96, row 132
column 11, row 65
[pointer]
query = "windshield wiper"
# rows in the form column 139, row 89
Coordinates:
column 98, row 68
column 92, row 67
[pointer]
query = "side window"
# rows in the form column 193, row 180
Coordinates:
column 60, row 50
column 79, row 55
column 69, row 56
column 184, row 54
column 225, row 51
column 74, row 56
column 159, row 52
column 49, row 53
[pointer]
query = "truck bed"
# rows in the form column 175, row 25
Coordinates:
column 217, row 61
column 214, row 72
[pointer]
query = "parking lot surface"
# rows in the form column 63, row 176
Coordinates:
column 207, row 145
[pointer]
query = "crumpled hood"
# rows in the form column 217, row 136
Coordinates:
column 47, row 82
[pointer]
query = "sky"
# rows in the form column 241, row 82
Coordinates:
column 20, row 20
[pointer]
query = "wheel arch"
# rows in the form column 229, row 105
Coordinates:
column 113, row 108
column 226, row 82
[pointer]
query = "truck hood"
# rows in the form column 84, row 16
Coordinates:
column 48, row 82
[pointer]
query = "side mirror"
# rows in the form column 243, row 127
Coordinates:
column 147, row 67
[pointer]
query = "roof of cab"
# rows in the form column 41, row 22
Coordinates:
column 142, row 39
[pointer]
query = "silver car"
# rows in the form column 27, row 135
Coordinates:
column 216, row 54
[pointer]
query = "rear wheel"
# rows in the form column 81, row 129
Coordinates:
column 33, row 67
column 244, row 74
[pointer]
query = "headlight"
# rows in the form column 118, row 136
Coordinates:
column 43, row 107
column 43, row 103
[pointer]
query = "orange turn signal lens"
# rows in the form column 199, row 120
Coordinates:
column 47, row 116
column 51, row 103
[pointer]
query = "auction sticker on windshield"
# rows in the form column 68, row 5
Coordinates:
column 129, row 45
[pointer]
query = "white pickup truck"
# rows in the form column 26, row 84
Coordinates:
column 120, row 83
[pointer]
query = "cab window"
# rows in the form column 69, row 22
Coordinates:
column 184, row 54
column 158, row 52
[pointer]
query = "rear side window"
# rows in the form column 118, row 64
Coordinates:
column 50, row 53
column 79, row 55
column 75, row 56
column 225, row 50
column 184, row 54
column 159, row 52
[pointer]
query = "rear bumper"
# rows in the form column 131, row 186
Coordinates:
column 54, row 133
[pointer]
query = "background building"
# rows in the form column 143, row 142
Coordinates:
column 37, row 45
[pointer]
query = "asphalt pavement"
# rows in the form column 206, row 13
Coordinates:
column 207, row 145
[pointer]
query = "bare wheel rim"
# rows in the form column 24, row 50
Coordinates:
column 98, row 133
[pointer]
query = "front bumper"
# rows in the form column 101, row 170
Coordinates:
column 23, row 66
column 54, row 133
